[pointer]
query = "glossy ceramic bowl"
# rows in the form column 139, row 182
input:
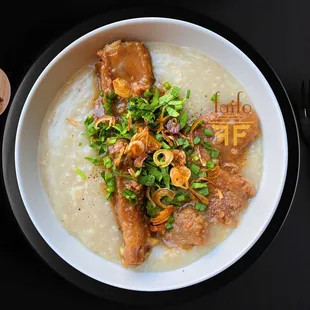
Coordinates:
column 81, row 52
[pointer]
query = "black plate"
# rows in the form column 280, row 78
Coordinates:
column 98, row 288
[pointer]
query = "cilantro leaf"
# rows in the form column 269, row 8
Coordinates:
column 147, row 180
column 154, row 171
column 152, row 210
column 166, row 177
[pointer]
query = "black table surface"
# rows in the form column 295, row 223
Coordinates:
column 279, row 30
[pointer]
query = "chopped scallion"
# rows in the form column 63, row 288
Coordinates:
column 181, row 141
column 214, row 97
column 80, row 173
column 207, row 145
column 199, row 185
column 187, row 128
column 202, row 174
column 111, row 140
column 126, row 176
column 204, row 191
column 172, row 112
column 194, row 156
column 208, row 132
column 148, row 93
column 200, row 207
column 197, row 140
column 175, row 91
column 129, row 195
column 210, row 164
column 170, row 219
column 167, row 85
column 94, row 160
column 181, row 198
column 214, row 153
column 195, row 168
column 107, row 161
column 168, row 226
column 159, row 137
column 166, row 146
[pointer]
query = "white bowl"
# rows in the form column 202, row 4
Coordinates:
column 81, row 52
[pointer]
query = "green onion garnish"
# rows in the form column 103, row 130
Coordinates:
column 186, row 144
column 167, row 85
column 200, row 207
column 168, row 226
column 166, row 146
column 214, row 153
column 155, row 98
column 107, row 161
column 129, row 194
column 214, row 97
column 148, row 93
column 194, row 156
column 188, row 93
column 172, row 112
column 181, row 198
column 110, row 182
column 94, row 160
column 181, row 141
column 111, row 140
column 204, row 191
column 187, row 128
column 199, row 185
column 101, row 93
column 159, row 137
column 210, row 164
column 197, row 140
column 208, row 132
column 80, row 173
column 126, row 176
column 195, row 168
column 175, row 91
column 207, row 145
column 202, row 174
column 138, row 172
column 89, row 119
column 170, row 219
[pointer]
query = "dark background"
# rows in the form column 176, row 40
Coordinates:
column 280, row 31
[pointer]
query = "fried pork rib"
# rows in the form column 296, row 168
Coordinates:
column 129, row 64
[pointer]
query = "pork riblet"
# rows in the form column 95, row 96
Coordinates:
column 131, row 62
